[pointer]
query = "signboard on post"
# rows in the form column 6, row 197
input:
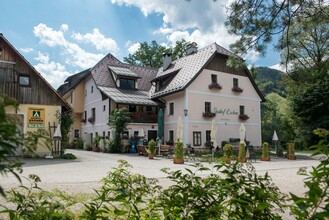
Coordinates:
column 36, row 118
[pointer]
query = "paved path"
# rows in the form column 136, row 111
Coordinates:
column 84, row 174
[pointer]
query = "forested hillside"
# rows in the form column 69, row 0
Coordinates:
column 269, row 80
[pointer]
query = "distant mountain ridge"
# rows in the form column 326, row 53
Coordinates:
column 270, row 80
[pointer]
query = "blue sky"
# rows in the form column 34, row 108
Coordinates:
column 63, row 37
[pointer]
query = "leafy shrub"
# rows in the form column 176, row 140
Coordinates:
column 33, row 203
column 68, row 156
column 179, row 150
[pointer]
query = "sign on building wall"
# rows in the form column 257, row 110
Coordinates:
column 36, row 118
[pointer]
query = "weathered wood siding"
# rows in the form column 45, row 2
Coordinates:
column 12, row 65
column 219, row 64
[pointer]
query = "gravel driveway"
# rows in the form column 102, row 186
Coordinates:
column 83, row 175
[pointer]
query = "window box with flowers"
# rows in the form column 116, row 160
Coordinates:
column 237, row 89
column 208, row 114
column 243, row 117
column 83, row 120
column 91, row 120
column 215, row 86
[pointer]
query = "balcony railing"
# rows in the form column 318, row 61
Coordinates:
column 144, row 117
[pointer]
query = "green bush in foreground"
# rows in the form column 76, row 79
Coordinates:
column 223, row 192
column 68, row 156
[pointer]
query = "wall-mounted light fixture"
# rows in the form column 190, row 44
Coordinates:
column 185, row 112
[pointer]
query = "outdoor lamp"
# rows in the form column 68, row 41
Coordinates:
column 185, row 112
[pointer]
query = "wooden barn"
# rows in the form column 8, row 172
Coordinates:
column 38, row 102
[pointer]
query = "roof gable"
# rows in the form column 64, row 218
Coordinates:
column 190, row 66
column 39, row 91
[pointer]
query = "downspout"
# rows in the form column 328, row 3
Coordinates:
column 186, row 128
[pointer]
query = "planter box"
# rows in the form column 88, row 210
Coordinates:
column 265, row 158
column 242, row 159
column 178, row 161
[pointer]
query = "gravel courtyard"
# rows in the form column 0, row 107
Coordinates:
column 84, row 174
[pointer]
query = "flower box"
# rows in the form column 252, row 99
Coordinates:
column 208, row 114
column 237, row 89
column 91, row 119
column 215, row 86
column 83, row 120
column 243, row 117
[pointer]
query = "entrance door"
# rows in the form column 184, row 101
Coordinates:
column 152, row 134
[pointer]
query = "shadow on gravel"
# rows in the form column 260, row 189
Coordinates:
column 32, row 162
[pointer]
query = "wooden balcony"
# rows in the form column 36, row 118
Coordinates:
column 144, row 117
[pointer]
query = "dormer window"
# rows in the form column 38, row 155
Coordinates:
column 127, row 84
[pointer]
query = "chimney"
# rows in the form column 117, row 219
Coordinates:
column 191, row 48
column 166, row 60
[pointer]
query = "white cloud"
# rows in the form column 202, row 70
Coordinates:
column 26, row 50
column 73, row 54
column 202, row 23
column 98, row 40
column 48, row 36
column 55, row 73
column 132, row 48
column 64, row 27
column 281, row 67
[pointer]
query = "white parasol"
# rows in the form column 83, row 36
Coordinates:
column 242, row 131
column 58, row 134
column 180, row 129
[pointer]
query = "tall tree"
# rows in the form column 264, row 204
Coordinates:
column 256, row 22
column 150, row 55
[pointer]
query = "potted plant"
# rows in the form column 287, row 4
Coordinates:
column 150, row 150
column 291, row 151
column 242, row 153
column 228, row 149
column 96, row 147
column 265, row 152
column 179, row 153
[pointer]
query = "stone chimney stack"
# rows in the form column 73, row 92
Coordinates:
column 166, row 60
column 191, row 48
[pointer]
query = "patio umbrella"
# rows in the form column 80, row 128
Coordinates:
column 275, row 139
column 213, row 133
column 160, row 127
column 180, row 128
column 141, row 132
column 58, row 134
column 242, row 132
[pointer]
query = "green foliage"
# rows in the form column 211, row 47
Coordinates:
column 78, row 144
column 315, row 203
column 66, row 119
column 10, row 140
column 31, row 202
column 124, row 195
column 242, row 150
column 151, row 147
column 118, row 119
column 179, row 150
column 32, row 139
column 291, row 149
column 256, row 22
column 97, row 140
column 265, row 150
column 228, row 150
column 269, row 80
column 150, row 55
column 68, row 156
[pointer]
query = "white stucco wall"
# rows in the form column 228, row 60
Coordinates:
column 225, row 102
